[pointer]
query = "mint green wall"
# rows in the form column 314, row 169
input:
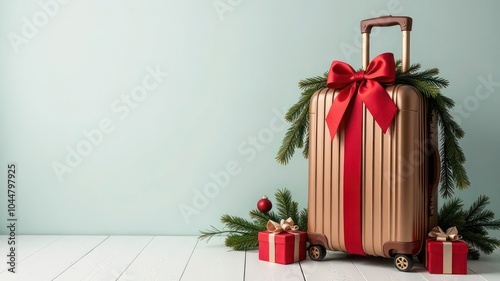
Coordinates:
column 147, row 108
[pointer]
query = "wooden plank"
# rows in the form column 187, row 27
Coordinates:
column 335, row 266
column 257, row 270
column 164, row 258
column 488, row 266
column 27, row 245
column 212, row 261
column 108, row 261
column 51, row 260
column 470, row 276
column 382, row 269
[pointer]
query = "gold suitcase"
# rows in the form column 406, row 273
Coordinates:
column 396, row 204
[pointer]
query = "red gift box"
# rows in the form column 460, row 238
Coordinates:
column 283, row 248
column 446, row 257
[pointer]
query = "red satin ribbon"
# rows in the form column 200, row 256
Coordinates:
column 358, row 88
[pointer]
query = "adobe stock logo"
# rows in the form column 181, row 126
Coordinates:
column 39, row 19
column 225, row 6
column 471, row 103
column 122, row 108
column 248, row 148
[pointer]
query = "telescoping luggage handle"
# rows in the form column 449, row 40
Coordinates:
column 404, row 22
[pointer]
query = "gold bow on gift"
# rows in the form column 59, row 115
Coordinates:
column 284, row 226
column 450, row 235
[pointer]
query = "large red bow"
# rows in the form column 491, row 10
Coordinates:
column 342, row 76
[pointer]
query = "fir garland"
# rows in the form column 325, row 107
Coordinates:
column 242, row 234
column 429, row 84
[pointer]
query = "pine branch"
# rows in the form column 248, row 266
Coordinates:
column 478, row 219
column 452, row 156
column 446, row 177
column 483, row 243
column 303, row 129
column 478, row 206
column 305, row 151
column 302, row 222
column 473, row 223
column 429, row 76
column 242, row 234
column 294, row 137
column 243, row 242
column 239, row 224
column 262, row 218
column 234, row 226
column 297, row 136
column 208, row 234
column 441, row 105
column 451, row 214
column 484, row 220
column 285, row 205
column 399, row 68
column 303, row 104
column 316, row 82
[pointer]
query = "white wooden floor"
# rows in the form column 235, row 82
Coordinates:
column 128, row 258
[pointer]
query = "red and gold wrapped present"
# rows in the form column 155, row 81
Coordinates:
column 282, row 243
column 446, row 253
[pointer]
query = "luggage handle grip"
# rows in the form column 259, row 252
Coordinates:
column 404, row 22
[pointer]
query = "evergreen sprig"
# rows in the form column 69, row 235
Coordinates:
column 297, row 136
column 429, row 84
column 472, row 223
column 242, row 234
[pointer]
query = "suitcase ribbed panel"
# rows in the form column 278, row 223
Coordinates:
column 325, row 198
column 394, row 174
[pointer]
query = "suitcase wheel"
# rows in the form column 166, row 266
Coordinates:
column 403, row 262
column 317, row 252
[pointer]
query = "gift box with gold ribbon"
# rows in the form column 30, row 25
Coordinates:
column 446, row 252
column 282, row 243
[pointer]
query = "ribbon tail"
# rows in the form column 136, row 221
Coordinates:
column 352, row 179
column 338, row 108
column 378, row 102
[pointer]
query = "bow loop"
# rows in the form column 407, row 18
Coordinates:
column 368, row 83
column 450, row 235
column 340, row 75
column 382, row 69
column 284, row 226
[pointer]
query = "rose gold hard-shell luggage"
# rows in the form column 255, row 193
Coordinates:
column 396, row 204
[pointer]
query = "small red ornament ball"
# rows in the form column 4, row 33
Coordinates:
column 264, row 205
